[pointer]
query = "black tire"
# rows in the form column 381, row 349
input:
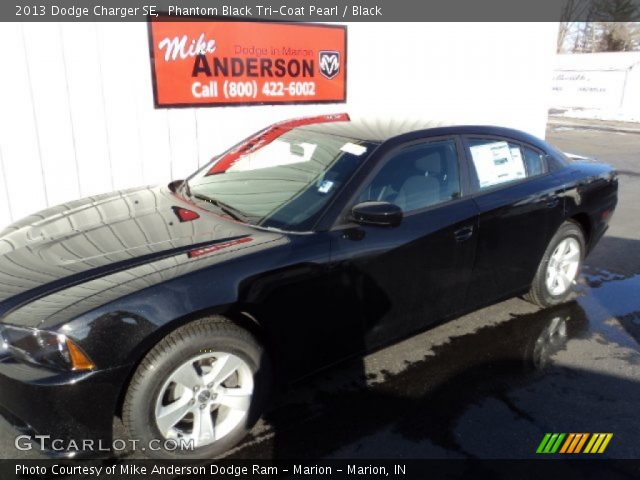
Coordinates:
column 214, row 333
column 539, row 293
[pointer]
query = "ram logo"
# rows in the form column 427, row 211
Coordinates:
column 329, row 63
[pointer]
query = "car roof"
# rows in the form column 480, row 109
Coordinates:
column 374, row 129
column 379, row 130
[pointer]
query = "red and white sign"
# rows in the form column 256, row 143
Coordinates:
column 268, row 135
column 208, row 63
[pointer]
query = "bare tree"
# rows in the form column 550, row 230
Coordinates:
column 604, row 26
column 569, row 26
column 616, row 32
column 616, row 10
column 618, row 37
column 563, row 31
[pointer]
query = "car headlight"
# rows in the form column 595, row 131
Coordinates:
column 42, row 348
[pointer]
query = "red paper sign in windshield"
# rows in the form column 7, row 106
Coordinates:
column 268, row 135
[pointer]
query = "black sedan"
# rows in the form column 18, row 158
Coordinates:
column 177, row 308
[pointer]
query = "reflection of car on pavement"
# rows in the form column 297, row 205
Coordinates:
column 552, row 338
column 316, row 239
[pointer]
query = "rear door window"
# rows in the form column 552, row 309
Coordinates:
column 496, row 161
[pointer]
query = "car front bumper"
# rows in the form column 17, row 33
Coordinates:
column 61, row 414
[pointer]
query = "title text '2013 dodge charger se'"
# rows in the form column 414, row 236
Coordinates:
column 315, row 239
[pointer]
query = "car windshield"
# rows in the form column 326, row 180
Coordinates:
column 280, row 177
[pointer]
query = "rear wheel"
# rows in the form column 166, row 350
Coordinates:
column 198, row 392
column 559, row 268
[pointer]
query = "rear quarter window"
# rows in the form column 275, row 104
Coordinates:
column 534, row 162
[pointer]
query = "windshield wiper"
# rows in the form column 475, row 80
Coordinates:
column 228, row 209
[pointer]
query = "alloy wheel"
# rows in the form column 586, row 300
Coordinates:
column 205, row 398
column 563, row 266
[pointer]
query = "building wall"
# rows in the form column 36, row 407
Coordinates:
column 77, row 116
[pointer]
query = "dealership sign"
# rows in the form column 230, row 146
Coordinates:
column 212, row 63
column 588, row 88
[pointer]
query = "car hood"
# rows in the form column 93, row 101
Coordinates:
column 89, row 238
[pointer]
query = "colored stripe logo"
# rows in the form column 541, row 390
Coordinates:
column 593, row 443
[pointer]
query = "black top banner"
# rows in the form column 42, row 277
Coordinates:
column 323, row 10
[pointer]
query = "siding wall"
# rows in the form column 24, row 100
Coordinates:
column 77, row 116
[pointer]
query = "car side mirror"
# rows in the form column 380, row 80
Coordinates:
column 382, row 214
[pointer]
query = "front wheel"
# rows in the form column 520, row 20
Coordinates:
column 198, row 392
column 559, row 268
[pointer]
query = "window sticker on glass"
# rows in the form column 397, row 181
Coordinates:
column 325, row 186
column 353, row 149
column 496, row 163
column 515, row 154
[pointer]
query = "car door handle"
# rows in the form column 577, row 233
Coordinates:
column 464, row 233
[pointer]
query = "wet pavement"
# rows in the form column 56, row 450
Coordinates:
column 489, row 384
column 486, row 385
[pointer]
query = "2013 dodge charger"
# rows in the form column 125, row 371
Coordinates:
column 315, row 239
